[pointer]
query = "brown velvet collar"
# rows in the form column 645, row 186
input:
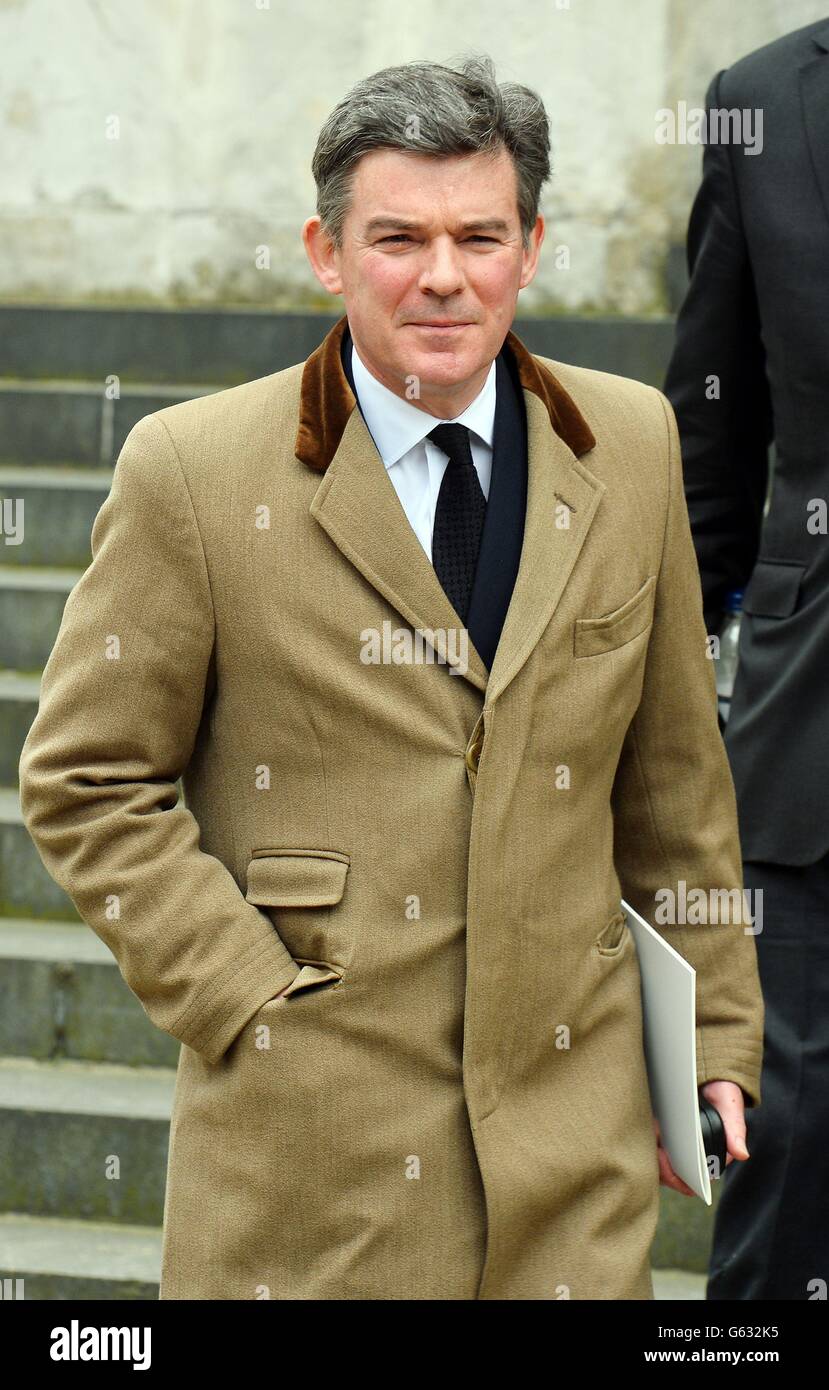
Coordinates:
column 327, row 401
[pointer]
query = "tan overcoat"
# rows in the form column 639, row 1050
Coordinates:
column 452, row 1101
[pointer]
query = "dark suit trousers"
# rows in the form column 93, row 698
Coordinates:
column 771, row 1231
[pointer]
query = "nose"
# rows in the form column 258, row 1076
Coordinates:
column 442, row 273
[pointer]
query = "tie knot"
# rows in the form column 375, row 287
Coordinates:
column 453, row 439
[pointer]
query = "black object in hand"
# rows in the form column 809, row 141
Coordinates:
column 713, row 1133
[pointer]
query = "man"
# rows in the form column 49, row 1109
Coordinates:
column 386, row 925
column 751, row 363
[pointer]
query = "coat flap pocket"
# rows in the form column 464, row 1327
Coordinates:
column 595, row 635
column 309, row 976
column 773, row 588
column 613, row 935
column 296, row 877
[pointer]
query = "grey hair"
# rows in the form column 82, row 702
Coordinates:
column 427, row 108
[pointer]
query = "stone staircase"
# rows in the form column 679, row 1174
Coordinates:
column 86, row 1081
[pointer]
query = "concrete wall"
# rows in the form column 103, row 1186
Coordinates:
column 149, row 147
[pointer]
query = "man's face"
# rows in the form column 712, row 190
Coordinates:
column 429, row 241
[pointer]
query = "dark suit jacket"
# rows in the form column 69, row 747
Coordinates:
column 756, row 315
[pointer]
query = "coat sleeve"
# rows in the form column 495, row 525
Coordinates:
column 674, row 808
column 121, row 701
column 717, row 385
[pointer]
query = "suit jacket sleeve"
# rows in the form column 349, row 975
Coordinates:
column 675, row 814
column 121, row 701
column 724, row 439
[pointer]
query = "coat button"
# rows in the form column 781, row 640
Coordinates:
column 473, row 750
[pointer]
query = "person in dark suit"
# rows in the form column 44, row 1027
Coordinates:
column 751, row 365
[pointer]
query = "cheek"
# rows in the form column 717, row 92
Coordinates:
column 495, row 282
column 387, row 279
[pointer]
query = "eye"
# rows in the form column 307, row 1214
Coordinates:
column 402, row 236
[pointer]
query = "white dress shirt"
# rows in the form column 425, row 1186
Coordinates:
column 414, row 463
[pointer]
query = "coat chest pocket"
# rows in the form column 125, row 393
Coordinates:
column 593, row 636
column 300, row 890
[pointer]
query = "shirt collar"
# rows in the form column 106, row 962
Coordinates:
column 396, row 425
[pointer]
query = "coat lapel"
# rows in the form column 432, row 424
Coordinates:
column 814, row 86
column 503, row 533
column 562, row 497
column 357, row 505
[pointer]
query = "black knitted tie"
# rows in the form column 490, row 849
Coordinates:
column 459, row 517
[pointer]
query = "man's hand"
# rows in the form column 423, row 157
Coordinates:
column 667, row 1176
column 728, row 1099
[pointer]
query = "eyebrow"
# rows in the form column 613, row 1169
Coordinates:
column 403, row 224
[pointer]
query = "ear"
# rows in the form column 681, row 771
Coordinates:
column 323, row 255
column 531, row 255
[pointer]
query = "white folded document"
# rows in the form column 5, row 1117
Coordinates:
column 669, row 1035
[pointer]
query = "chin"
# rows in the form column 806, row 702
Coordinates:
column 445, row 355
column 446, row 368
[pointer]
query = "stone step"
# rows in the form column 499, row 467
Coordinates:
column 684, row 1231
column 96, row 1022
column 82, row 1260
column 84, row 1139
column 19, row 695
column 678, row 1285
column 52, row 421
column 26, row 889
column 32, row 600
column 237, row 344
column 56, row 508
column 62, row 995
column 683, row 1237
column 61, row 1259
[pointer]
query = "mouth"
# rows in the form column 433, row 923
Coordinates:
column 442, row 326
